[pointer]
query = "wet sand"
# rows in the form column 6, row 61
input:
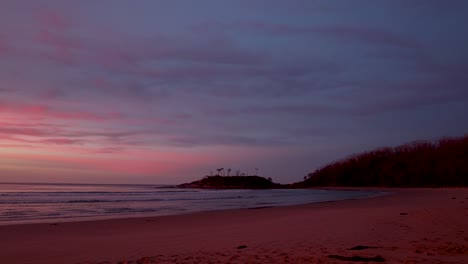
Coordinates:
column 408, row 226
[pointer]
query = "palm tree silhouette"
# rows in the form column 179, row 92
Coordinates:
column 219, row 172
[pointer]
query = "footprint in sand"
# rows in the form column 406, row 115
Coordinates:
column 362, row 247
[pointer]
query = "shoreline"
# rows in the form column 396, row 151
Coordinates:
column 376, row 193
column 418, row 225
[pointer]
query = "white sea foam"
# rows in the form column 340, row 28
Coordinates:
column 30, row 203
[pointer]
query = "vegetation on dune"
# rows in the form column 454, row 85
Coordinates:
column 419, row 164
column 233, row 182
column 240, row 180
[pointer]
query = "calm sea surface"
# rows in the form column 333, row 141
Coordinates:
column 33, row 203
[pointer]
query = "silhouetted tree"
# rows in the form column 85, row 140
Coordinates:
column 220, row 172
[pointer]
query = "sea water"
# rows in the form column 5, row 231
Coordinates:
column 36, row 203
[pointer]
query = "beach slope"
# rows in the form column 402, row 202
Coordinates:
column 408, row 226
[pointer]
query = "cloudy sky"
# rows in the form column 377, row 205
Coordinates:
column 165, row 91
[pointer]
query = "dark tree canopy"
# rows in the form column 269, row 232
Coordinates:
column 443, row 163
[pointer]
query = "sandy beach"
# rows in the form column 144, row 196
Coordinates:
column 407, row 226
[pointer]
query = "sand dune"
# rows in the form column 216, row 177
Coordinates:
column 409, row 226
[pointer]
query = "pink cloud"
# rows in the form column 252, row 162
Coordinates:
column 53, row 20
column 62, row 141
column 17, row 146
column 79, row 115
column 33, row 109
column 48, row 134
column 26, row 111
column 55, row 32
column 107, row 150
column 61, row 47
column 103, row 84
column 51, row 94
column 24, row 131
column 128, row 166
column 148, row 163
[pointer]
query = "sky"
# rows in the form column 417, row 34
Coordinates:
column 166, row 91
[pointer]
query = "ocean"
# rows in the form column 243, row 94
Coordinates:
column 48, row 203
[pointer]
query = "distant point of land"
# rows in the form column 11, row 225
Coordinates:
column 232, row 182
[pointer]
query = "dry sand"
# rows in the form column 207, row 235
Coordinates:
column 409, row 226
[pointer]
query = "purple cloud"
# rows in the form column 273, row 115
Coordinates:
column 363, row 33
column 368, row 35
column 4, row 46
column 275, row 75
column 224, row 140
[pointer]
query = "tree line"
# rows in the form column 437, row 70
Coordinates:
column 442, row 163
